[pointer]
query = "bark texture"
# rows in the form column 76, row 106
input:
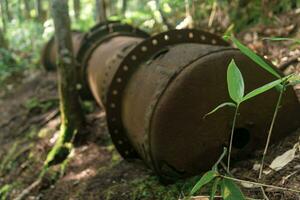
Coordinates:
column 77, row 7
column 27, row 9
column 3, row 43
column 39, row 10
column 71, row 114
column 101, row 11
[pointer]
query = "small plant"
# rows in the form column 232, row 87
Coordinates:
column 236, row 89
column 287, row 81
column 236, row 86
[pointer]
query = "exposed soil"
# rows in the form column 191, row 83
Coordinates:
column 29, row 124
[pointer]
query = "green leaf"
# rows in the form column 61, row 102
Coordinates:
column 235, row 82
column 295, row 82
column 294, row 79
column 257, row 59
column 206, row 178
column 220, row 106
column 262, row 89
column 282, row 39
column 214, row 188
column 230, row 191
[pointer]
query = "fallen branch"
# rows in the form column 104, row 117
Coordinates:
column 31, row 187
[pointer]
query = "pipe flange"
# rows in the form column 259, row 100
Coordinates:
column 140, row 54
column 98, row 34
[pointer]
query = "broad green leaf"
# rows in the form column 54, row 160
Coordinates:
column 214, row 188
column 261, row 89
column 235, row 82
column 230, row 191
column 257, row 59
column 220, row 106
column 206, row 178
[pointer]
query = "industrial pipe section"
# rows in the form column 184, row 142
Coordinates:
column 49, row 56
column 156, row 90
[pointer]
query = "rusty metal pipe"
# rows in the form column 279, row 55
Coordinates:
column 49, row 54
column 156, row 92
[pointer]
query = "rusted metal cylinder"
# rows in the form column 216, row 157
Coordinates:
column 156, row 91
column 49, row 54
column 103, row 48
column 166, row 84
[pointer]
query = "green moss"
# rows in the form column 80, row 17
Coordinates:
column 149, row 188
column 4, row 191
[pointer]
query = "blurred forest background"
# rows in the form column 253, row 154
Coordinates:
column 29, row 121
column 27, row 24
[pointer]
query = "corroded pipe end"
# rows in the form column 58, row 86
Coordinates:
column 49, row 54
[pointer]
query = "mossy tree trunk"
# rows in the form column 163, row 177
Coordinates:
column 124, row 7
column 27, row 9
column 3, row 15
column 7, row 10
column 3, row 43
column 39, row 10
column 77, row 7
column 101, row 11
column 70, row 107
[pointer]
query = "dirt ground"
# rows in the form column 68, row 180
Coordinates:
column 29, row 124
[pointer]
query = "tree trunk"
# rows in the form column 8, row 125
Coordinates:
column 3, row 16
column 3, row 43
column 39, row 10
column 124, row 7
column 77, row 8
column 27, row 9
column 7, row 10
column 70, row 108
column 188, row 14
column 101, row 11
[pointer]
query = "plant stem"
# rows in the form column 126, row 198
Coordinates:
column 270, row 131
column 231, row 136
column 259, row 184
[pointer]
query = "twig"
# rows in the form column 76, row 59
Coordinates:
column 212, row 14
column 264, row 193
column 231, row 136
column 260, row 184
column 25, row 192
column 270, row 132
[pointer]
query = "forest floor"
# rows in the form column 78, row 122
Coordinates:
column 29, row 126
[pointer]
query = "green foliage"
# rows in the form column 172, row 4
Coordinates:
column 262, row 89
column 214, row 188
column 205, row 179
column 219, row 107
column 25, row 39
column 43, row 106
column 257, row 59
column 4, row 191
column 8, row 64
column 235, row 83
column 297, row 41
column 230, row 191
